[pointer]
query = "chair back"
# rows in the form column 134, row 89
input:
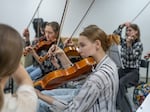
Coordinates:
column 145, row 64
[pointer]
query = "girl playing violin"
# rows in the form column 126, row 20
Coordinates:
column 131, row 52
column 38, row 24
column 11, row 48
column 98, row 93
column 51, row 35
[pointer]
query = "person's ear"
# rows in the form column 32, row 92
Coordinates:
column 97, row 44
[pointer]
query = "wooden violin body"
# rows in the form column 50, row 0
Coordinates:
column 69, row 51
column 59, row 77
column 40, row 45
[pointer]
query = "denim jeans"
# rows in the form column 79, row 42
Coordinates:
column 35, row 72
column 64, row 94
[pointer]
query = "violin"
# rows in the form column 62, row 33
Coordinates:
column 70, row 51
column 41, row 59
column 42, row 44
column 59, row 77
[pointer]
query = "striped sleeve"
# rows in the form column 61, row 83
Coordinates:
column 84, row 100
column 98, row 92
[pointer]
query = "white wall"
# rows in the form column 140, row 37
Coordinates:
column 107, row 14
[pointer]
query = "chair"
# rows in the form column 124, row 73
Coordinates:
column 145, row 64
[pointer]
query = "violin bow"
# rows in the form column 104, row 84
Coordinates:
column 140, row 11
column 34, row 13
column 63, row 19
column 83, row 18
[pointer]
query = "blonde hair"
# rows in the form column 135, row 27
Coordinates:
column 11, row 47
column 93, row 33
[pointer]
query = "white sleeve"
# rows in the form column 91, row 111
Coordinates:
column 24, row 100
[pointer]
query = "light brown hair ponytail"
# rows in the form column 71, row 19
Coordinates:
column 93, row 33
